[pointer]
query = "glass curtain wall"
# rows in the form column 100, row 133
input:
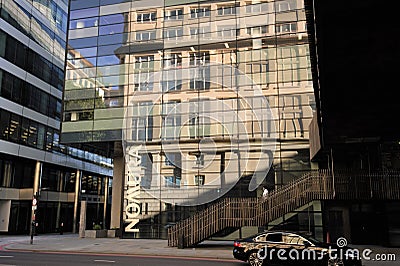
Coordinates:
column 180, row 67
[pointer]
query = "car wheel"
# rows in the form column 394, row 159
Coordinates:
column 254, row 259
column 335, row 262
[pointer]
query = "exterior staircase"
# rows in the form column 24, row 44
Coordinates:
column 316, row 185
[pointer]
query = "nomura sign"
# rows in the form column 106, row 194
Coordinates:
column 133, row 180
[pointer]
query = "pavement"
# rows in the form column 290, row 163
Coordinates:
column 220, row 250
column 72, row 243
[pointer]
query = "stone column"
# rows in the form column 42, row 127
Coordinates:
column 37, row 177
column 82, row 220
column 117, row 186
column 76, row 200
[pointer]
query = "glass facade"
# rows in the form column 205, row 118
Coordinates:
column 187, row 79
column 33, row 41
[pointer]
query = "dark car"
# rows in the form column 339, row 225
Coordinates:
column 292, row 248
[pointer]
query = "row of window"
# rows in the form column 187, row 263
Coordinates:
column 87, row 47
column 53, row 12
column 22, row 92
column 110, row 65
column 175, row 181
column 35, row 29
column 25, row 58
column 25, row 131
column 91, row 184
column 21, row 130
column 124, row 32
column 16, row 172
column 195, row 12
column 56, row 178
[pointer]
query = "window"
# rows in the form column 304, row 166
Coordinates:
column 227, row 31
column 172, row 79
column 145, row 35
column 274, row 237
column 281, row 6
column 40, row 136
column 199, row 159
column 83, row 23
column 144, row 67
column 199, row 12
column 256, row 8
column 199, row 121
column 199, row 180
column 258, row 30
column 260, row 238
column 287, row 27
column 49, row 139
column 226, row 10
column 173, row 33
column 24, row 131
column 174, row 14
column 112, row 19
column 14, row 128
column 260, row 67
column 200, row 32
column 199, row 58
column 200, row 76
column 173, row 60
column 4, row 124
column 294, row 239
column 146, row 17
column 7, row 173
column 172, row 181
column 3, row 39
column 142, row 124
column 171, row 120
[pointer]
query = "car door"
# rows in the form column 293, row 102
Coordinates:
column 274, row 243
column 297, row 250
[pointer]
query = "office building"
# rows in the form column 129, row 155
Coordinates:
column 33, row 36
column 218, row 94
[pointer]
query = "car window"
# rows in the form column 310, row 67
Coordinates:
column 292, row 239
column 260, row 238
column 274, row 237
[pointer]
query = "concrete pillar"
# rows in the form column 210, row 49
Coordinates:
column 117, row 187
column 105, row 202
column 82, row 221
column 76, row 200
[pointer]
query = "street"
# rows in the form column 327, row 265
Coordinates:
column 55, row 258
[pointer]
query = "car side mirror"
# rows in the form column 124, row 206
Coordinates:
column 307, row 244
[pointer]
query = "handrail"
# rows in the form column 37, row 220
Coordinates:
column 314, row 185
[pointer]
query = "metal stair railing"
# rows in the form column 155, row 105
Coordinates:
column 315, row 185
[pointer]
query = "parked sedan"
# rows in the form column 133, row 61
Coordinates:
column 292, row 248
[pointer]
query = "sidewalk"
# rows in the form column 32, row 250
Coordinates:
column 147, row 247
